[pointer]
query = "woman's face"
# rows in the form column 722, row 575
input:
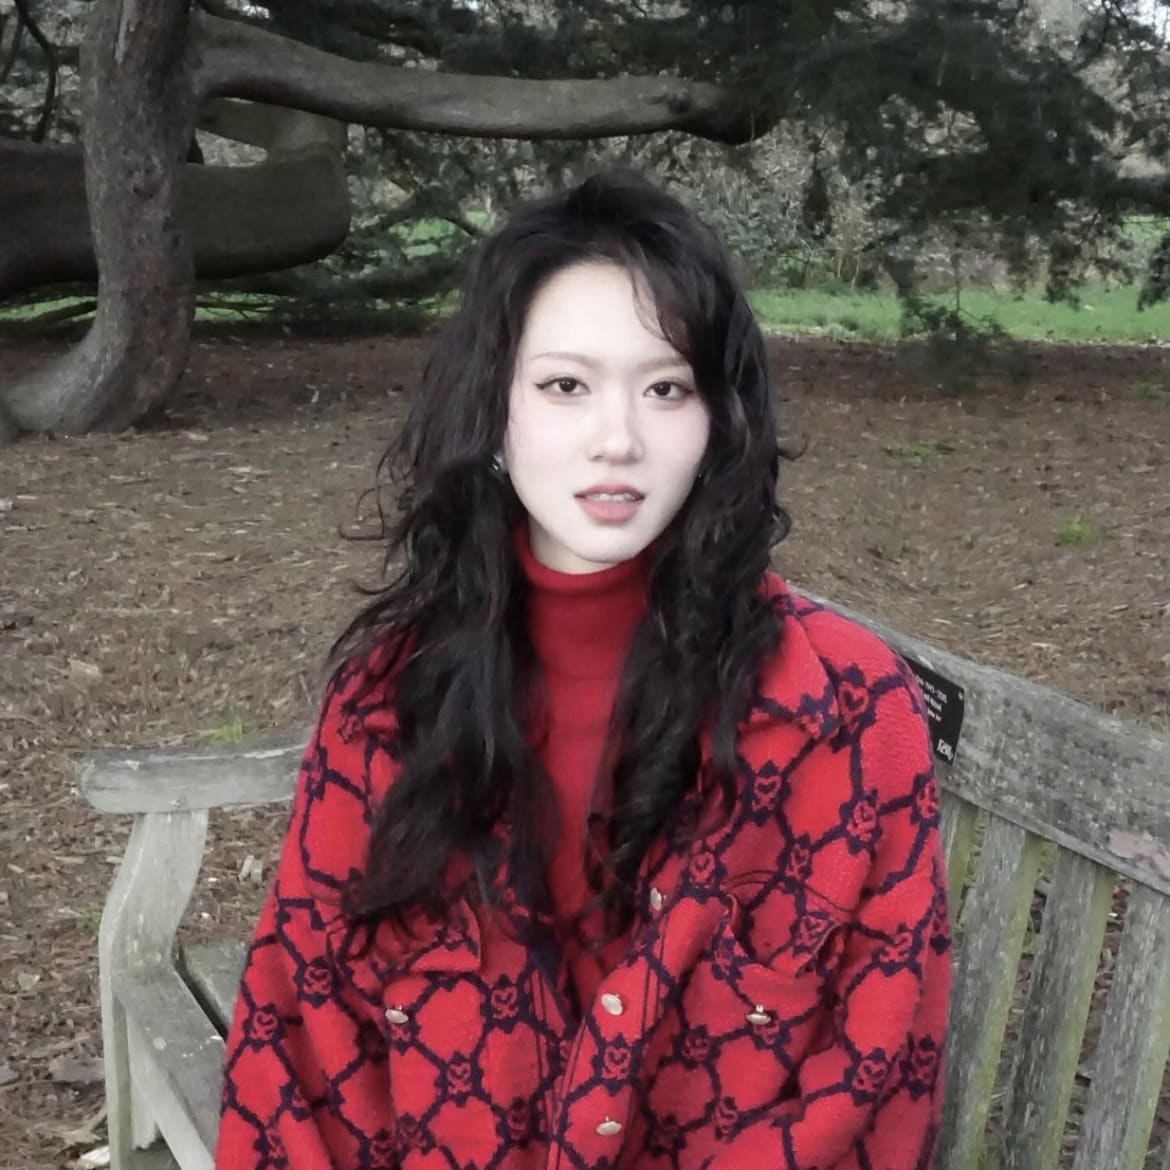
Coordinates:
column 606, row 429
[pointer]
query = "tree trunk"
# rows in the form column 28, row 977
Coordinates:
column 138, row 106
column 145, row 73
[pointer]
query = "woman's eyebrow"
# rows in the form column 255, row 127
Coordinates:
column 665, row 362
column 563, row 356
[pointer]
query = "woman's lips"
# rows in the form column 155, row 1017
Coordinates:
column 610, row 505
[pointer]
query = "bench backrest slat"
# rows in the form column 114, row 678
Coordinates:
column 1084, row 780
column 992, row 926
column 958, row 837
column 1052, row 1025
column 213, row 971
column 1134, row 1043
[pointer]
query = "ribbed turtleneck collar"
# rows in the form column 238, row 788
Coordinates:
column 581, row 623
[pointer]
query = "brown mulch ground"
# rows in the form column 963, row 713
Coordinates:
column 181, row 584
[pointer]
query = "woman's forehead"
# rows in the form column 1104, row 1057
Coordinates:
column 593, row 313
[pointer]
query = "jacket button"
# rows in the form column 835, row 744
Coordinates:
column 657, row 900
column 759, row 1016
column 396, row 1015
column 613, row 1003
column 608, row 1128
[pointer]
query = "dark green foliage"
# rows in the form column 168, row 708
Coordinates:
column 960, row 349
column 1156, row 287
column 951, row 113
column 967, row 117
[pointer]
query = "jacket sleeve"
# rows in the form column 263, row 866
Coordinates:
column 305, row 1081
column 870, row 1092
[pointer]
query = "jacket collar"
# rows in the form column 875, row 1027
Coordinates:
column 794, row 687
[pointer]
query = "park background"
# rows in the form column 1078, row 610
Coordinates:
column 952, row 217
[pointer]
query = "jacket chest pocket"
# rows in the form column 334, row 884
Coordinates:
column 747, row 1012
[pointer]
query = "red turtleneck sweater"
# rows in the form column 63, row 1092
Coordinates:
column 581, row 625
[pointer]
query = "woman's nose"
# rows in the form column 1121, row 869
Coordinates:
column 616, row 431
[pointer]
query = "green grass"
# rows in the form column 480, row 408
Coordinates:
column 1143, row 232
column 1077, row 531
column 420, row 237
column 242, row 307
column 90, row 918
column 1104, row 315
column 27, row 312
column 1151, row 391
column 917, row 451
column 228, row 732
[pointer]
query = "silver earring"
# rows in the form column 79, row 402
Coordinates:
column 499, row 463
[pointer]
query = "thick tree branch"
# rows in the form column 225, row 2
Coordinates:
column 237, row 60
column 45, row 236
column 287, row 210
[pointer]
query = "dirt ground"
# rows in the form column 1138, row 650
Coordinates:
column 181, row 584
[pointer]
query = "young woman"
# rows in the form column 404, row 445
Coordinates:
column 608, row 849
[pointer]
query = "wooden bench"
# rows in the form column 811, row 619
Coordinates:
column 1048, row 807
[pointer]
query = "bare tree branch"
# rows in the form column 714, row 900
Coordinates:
column 13, row 49
column 52, row 317
column 420, row 278
column 25, row 17
column 241, row 61
column 429, row 204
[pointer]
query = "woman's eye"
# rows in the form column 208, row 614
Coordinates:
column 668, row 390
column 562, row 386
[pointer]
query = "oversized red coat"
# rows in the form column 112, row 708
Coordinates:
column 782, row 1002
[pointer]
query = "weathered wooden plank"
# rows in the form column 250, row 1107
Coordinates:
column 1135, row 1039
column 156, row 1157
column 213, row 970
column 185, row 1057
column 142, row 912
column 1089, row 782
column 994, row 919
column 174, row 780
column 1048, row 1042
column 958, row 835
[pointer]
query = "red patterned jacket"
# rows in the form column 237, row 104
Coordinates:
column 782, row 1003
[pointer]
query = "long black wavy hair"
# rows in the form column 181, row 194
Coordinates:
column 463, row 677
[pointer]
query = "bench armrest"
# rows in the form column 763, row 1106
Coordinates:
column 186, row 779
